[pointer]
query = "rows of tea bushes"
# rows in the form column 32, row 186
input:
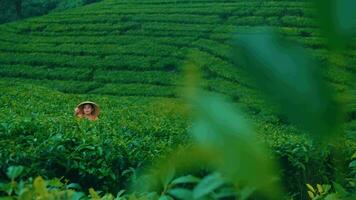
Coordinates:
column 38, row 131
column 129, row 56
column 17, row 10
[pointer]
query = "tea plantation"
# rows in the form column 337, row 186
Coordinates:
column 129, row 57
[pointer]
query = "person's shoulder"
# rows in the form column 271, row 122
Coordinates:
column 79, row 117
column 94, row 118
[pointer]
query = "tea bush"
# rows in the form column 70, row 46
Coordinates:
column 128, row 56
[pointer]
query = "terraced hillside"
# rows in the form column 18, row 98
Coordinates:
column 133, row 52
column 37, row 131
column 138, row 48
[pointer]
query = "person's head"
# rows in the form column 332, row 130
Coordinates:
column 88, row 109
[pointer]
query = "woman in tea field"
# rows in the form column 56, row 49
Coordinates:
column 88, row 110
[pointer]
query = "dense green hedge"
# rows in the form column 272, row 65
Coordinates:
column 39, row 132
column 39, row 126
column 129, row 56
column 29, row 8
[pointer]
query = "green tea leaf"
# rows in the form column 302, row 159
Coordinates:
column 165, row 197
column 6, row 187
column 224, row 192
column 73, row 186
column 339, row 189
column 40, row 187
column 207, row 185
column 337, row 19
column 25, row 195
column 185, row 179
column 291, row 79
column 14, row 171
column 246, row 192
column 223, row 129
column 181, row 193
column 352, row 164
column 77, row 195
column 167, row 175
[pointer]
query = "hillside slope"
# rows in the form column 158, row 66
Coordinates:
column 129, row 56
column 138, row 48
column 38, row 131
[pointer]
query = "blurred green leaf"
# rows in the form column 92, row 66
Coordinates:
column 353, row 156
column 14, row 171
column 167, row 176
column 337, row 19
column 6, row 198
column 224, row 192
column 6, row 187
column 181, row 193
column 339, row 189
column 77, row 195
column 54, row 183
column 292, row 79
column 185, row 179
column 332, row 197
column 224, row 141
column 120, row 194
column 246, row 192
column 40, row 187
column 207, row 185
column 165, row 197
column 73, row 186
column 223, row 129
column 26, row 195
column 352, row 164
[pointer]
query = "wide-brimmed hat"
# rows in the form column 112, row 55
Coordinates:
column 95, row 106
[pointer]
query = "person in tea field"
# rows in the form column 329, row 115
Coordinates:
column 88, row 110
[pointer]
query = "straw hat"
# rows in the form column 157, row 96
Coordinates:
column 96, row 110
